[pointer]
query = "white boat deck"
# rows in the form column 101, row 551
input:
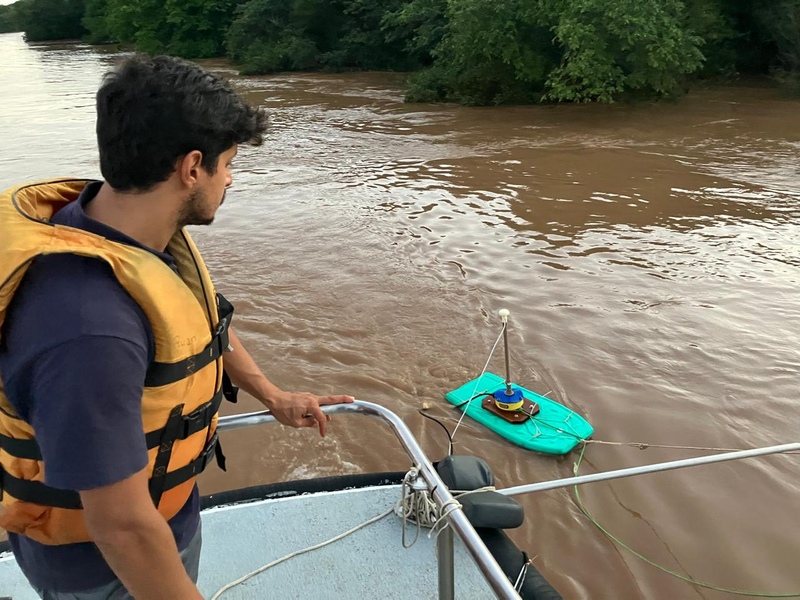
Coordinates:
column 371, row 563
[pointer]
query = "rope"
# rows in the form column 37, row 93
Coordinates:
column 522, row 573
column 420, row 508
column 244, row 578
column 447, row 508
column 478, row 381
column 667, row 570
column 639, row 445
column 417, row 507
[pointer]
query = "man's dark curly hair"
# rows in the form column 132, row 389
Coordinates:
column 152, row 111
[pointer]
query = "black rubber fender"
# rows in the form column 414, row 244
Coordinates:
column 510, row 558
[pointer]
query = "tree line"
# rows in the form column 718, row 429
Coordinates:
column 466, row 51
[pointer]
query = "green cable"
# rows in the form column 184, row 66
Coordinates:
column 681, row 576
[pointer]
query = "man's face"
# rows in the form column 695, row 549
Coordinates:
column 202, row 204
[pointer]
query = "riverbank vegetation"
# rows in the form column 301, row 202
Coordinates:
column 466, row 51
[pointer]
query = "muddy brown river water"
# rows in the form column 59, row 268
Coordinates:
column 649, row 255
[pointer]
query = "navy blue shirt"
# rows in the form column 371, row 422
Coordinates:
column 73, row 357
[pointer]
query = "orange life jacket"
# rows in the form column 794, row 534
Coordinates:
column 183, row 387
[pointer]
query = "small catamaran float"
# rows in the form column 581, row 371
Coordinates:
column 361, row 536
column 521, row 416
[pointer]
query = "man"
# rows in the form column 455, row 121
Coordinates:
column 113, row 343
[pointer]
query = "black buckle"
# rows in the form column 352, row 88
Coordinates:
column 230, row 391
column 225, row 315
column 199, row 465
column 196, row 421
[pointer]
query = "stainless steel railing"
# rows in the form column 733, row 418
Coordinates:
column 645, row 469
column 457, row 519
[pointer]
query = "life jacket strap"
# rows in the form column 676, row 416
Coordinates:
column 161, row 480
column 194, row 468
column 19, row 448
column 37, row 492
column 220, row 455
column 160, row 374
column 169, row 434
column 197, row 420
column 230, row 391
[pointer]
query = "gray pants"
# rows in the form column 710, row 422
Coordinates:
column 116, row 591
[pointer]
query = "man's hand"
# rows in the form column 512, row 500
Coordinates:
column 302, row 409
column 296, row 409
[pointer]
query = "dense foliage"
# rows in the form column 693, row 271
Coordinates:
column 189, row 28
column 280, row 35
column 780, row 20
column 8, row 19
column 467, row 51
column 44, row 19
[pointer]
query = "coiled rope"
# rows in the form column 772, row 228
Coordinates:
column 419, row 507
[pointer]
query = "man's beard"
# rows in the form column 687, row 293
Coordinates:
column 192, row 211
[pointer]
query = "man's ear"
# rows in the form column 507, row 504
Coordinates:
column 188, row 168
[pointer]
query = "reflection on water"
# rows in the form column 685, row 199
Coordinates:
column 648, row 255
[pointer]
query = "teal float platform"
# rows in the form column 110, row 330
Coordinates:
column 555, row 429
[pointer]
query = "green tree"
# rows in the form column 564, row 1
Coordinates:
column 187, row 28
column 141, row 22
column 779, row 21
column 467, row 51
column 197, row 27
column 419, row 25
column 496, row 51
column 281, row 35
column 620, row 46
column 44, row 20
column 362, row 43
column 95, row 21
column 265, row 36
column 8, row 19
column 491, row 52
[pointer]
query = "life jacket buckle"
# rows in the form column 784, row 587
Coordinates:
column 205, row 456
column 196, row 421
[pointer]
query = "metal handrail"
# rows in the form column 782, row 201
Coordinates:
column 652, row 468
column 484, row 560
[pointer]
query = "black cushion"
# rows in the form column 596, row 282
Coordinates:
column 483, row 509
column 491, row 510
column 465, row 473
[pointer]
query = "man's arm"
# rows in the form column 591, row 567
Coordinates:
column 296, row 409
column 136, row 541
